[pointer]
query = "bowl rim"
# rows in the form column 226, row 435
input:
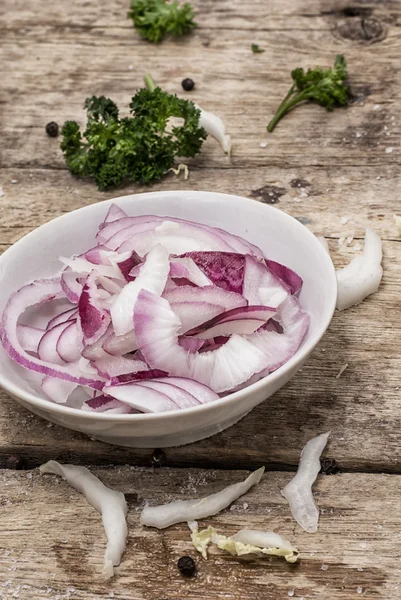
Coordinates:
column 300, row 355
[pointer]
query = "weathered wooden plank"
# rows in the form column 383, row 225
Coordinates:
column 52, row 541
column 51, row 71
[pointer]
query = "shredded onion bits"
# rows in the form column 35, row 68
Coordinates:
column 189, row 510
column 245, row 542
column 110, row 503
column 298, row 492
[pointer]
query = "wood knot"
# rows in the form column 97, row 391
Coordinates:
column 362, row 29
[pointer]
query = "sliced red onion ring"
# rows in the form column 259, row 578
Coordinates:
column 110, row 503
column 291, row 279
column 69, row 344
column 363, row 275
column 157, row 327
column 181, row 511
column 47, row 347
column 243, row 320
column 57, row 390
column 202, row 393
column 194, row 306
column 182, row 398
column 298, row 492
column 152, row 277
column 29, row 337
column 141, row 398
column 35, row 293
column 84, row 267
column 137, row 376
column 66, row 315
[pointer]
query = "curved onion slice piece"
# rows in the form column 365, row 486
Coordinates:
column 185, row 268
column 57, row 390
column 224, row 269
column 298, row 492
column 33, row 294
column 114, row 214
column 216, row 128
column 363, row 275
column 152, row 277
column 280, row 347
column 291, row 279
column 110, row 503
column 243, row 320
column 261, row 286
column 72, row 288
column 112, row 366
column 142, row 398
column 181, row 397
column 84, row 267
column 189, row 510
column 227, row 241
column 29, row 337
column 157, row 327
column 194, row 306
column 202, row 393
column 47, row 347
column 66, row 315
column 94, row 320
column 108, row 404
column 69, row 344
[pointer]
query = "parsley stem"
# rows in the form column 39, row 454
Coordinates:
column 149, row 83
column 286, row 106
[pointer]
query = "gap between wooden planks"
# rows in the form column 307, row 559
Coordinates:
column 52, row 542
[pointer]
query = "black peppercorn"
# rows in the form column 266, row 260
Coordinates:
column 188, row 84
column 186, row 566
column 52, row 129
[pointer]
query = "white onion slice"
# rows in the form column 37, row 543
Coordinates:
column 111, row 366
column 363, row 275
column 157, row 327
column 152, row 277
column 141, row 397
column 189, row 510
column 298, row 492
column 110, row 503
column 216, row 128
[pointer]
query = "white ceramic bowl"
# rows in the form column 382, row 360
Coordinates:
column 280, row 236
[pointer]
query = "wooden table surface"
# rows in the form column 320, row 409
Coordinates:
column 53, row 55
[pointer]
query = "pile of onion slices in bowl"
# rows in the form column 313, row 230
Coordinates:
column 161, row 314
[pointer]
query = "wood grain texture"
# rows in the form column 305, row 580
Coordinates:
column 52, row 542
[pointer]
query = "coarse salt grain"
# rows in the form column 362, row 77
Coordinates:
column 298, row 199
column 349, row 239
column 344, row 220
column 341, row 241
column 14, row 181
column 291, row 593
column 324, row 567
column 389, row 150
column 263, row 144
column 376, row 107
column 359, row 590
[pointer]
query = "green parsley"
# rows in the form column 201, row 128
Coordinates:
column 326, row 87
column 154, row 19
column 141, row 147
column 256, row 49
